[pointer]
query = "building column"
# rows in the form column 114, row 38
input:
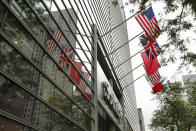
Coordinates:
column 94, row 124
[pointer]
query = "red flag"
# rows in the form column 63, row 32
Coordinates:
column 82, row 83
column 150, row 66
column 74, row 74
column 87, row 93
column 157, row 87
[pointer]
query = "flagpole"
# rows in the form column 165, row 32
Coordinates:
column 83, row 61
column 128, row 59
column 134, row 81
column 70, row 31
column 81, row 49
column 131, row 71
column 124, row 21
column 125, row 43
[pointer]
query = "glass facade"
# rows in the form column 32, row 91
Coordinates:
column 46, row 64
column 35, row 86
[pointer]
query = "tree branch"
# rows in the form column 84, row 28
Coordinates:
column 183, row 5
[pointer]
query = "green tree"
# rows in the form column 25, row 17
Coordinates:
column 176, row 112
column 66, row 106
column 191, row 99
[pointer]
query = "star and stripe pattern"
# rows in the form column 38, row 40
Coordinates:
column 155, row 77
column 50, row 44
column 149, row 23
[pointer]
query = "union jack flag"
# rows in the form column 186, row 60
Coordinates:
column 151, row 47
column 155, row 77
column 149, row 23
column 50, row 43
column 63, row 59
column 82, row 83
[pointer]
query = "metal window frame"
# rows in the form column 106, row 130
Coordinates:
column 47, row 30
column 64, row 36
column 86, row 13
column 78, row 17
column 59, row 10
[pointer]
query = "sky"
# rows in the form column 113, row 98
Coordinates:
column 144, row 96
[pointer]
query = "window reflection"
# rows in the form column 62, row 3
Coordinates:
column 8, row 125
column 22, row 10
column 29, row 77
column 2, row 14
column 30, row 109
column 20, row 103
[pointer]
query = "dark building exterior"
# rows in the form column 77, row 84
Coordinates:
column 56, row 70
column 141, row 119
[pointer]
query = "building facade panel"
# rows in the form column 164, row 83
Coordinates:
column 112, row 41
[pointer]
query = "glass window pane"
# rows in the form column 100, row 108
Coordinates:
column 2, row 14
column 8, row 125
column 29, row 108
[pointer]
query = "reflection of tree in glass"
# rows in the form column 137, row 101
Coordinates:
column 10, row 96
column 22, row 10
column 78, row 114
column 65, row 106
column 15, row 64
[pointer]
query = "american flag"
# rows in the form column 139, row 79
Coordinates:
column 63, row 59
column 151, row 47
column 50, row 43
column 149, row 23
column 82, row 83
column 155, row 77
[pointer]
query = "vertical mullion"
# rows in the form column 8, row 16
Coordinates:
column 83, row 17
column 94, row 124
